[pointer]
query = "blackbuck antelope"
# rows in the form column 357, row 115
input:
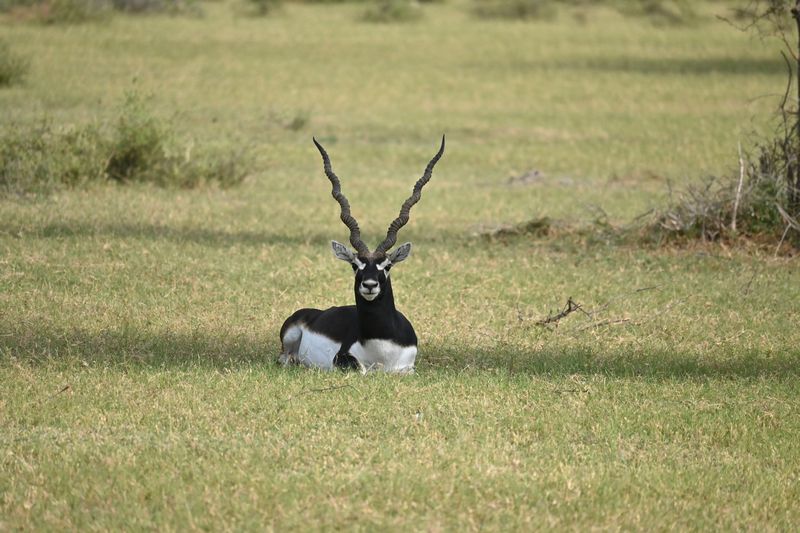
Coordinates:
column 372, row 334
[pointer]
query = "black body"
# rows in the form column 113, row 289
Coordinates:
column 376, row 319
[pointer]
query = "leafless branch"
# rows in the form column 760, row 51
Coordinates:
column 783, row 237
column 738, row 189
column 65, row 388
column 571, row 307
column 782, row 108
column 650, row 288
column 789, row 219
column 328, row 389
column 791, row 223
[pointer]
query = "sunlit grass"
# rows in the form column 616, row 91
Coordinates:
column 138, row 326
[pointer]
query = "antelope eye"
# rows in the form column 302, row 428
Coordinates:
column 355, row 267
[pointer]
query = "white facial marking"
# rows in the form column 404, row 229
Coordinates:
column 383, row 264
column 368, row 296
column 369, row 289
column 357, row 262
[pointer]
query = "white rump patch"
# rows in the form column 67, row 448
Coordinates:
column 384, row 356
column 292, row 335
column 290, row 342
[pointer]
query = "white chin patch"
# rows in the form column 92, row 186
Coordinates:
column 369, row 296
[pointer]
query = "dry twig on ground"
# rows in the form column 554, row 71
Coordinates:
column 571, row 307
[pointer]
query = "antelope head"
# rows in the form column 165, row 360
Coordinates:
column 371, row 268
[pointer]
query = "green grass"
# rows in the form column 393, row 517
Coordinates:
column 138, row 325
column 13, row 68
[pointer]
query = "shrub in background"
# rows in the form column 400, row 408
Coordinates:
column 45, row 158
column 224, row 168
column 393, row 11
column 327, row 1
column 73, row 11
column 658, row 11
column 765, row 197
column 138, row 143
column 175, row 7
column 13, row 67
column 82, row 11
column 755, row 203
column 138, row 147
column 143, row 148
column 514, row 9
column 262, row 8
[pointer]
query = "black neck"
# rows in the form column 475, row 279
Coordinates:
column 377, row 319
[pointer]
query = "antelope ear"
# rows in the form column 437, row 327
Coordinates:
column 341, row 252
column 400, row 254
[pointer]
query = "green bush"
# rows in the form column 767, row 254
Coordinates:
column 328, row 1
column 138, row 147
column 187, row 7
column 768, row 186
column 143, row 149
column 515, row 9
column 658, row 11
column 222, row 168
column 261, row 8
column 393, row 11
column 81, row 11
column 73, row 11
column 748, row 203
column 45, row 158
column 13, row 67
column 10, row 5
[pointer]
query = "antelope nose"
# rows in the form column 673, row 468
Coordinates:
column 369, row 284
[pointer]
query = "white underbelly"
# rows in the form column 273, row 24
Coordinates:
column 317, row 350
column 384, row 356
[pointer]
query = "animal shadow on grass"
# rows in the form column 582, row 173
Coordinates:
column 618, row 362
column 38, row 345
column 126, row 346
column 688, row 65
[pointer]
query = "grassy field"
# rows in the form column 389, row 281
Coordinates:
column 139, row 325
